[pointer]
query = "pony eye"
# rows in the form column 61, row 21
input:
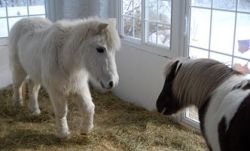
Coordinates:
column 100, row 49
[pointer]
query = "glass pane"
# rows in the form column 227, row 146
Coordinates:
column 242, row 43
column 127, row 7
column 36, row 7
column 152, row 10
column 192, row 113
column 128, row 26
column 197, row 53
column 152, row 32
column 132, row 8
column 163, row 35
column 4, row 28
column 137, row 28
column 137, row 8
column 241, row 65
column 2, row 8
column 12, row 21
column 200, row 27
column 222, row 58
column 164, row 11
column 202, row 3
column 244, row 5
column 158, row 10
column 222, row 31
column 17, row 8
column 224, row 4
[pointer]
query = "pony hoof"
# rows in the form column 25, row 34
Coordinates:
column 87, row 130
column 84, row 134
column 18, row 103
column 63, row 135
column 36, row 113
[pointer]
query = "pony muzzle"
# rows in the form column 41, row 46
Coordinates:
column 108, row 85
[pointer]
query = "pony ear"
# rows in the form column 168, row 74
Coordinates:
column 102, row 26
column 171, row 66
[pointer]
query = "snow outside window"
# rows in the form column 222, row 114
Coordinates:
column 13, row 10
column 146, row 21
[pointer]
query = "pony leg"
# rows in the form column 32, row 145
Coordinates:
column 60, row 108
column 33, row 94
column 18, row 77
column 87, row 109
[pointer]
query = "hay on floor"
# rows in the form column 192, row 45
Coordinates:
column 118, row 126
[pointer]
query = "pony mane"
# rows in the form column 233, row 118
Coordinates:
column 197, row 79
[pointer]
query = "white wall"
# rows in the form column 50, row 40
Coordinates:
column 141, row 76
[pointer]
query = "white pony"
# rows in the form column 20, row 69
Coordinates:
column 63, row 57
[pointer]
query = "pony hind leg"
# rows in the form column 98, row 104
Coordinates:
column 33, row 96
column 18, row 78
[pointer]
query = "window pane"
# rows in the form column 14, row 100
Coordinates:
column 222, row 31
column 137, row 28
column 244, row 5
column 202, row 3
column 17, row 8
column 222, row 58
column 225, row 4
column 12, row 21
column 158, row 15
column 36, row 7
column 132, row 8
column 200, row 27
column 158, row 10
column 4, row 28
column 197, row 53
column 2, row 9
column 163, row 35
column 241, row 65
column 152, row 32
column 242, row 43
column 192, row 113
column 128, row 26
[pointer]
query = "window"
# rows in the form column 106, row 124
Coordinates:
column 146, row 21
column 219, row 29
column 13, row 10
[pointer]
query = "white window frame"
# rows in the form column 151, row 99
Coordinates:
column 177, row 36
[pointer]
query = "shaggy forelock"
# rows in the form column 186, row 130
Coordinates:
column 109, row 34
column 197, row 79
column 87, row 28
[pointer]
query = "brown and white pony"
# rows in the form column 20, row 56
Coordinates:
column 221, row 94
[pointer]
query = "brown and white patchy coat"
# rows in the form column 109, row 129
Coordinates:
column 221, row 94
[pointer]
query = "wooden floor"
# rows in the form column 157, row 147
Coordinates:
column 5, row 75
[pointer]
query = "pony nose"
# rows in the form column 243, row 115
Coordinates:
column 111, row 84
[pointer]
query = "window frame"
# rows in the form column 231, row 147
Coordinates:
column 177, row 35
